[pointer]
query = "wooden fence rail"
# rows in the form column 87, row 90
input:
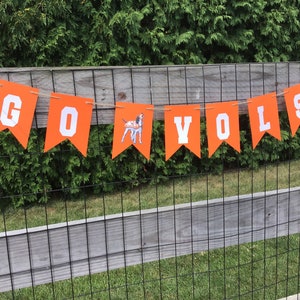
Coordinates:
column 158, row 85
column 61, row 251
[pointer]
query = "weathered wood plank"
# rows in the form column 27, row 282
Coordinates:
column 60, row 251
column 292, row 297
column 158, row 85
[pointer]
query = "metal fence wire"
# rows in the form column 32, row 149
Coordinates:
column 217, row 229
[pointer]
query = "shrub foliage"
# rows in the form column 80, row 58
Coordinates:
column 30, row 175
column 135, row 32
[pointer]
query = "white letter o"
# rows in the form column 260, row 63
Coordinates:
column 72, row 113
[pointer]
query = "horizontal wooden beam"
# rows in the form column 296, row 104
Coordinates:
column 61, row 251
column 158, row 85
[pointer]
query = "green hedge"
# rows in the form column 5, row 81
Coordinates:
column 29, row 176
column 127, row 32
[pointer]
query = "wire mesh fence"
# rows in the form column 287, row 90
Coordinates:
column 225, row 227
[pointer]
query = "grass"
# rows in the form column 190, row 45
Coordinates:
column 175, row 191
column 262, row 270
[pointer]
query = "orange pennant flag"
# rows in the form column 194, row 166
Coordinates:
column 17, row 106
column 222, row 125
column 263, row 114
column 182, row 127
column 69, row 118
column 132, row 126
column 292, row 102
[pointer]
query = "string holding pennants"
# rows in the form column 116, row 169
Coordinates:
column 69, row 117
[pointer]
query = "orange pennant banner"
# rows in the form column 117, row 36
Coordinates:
column 132, row 126
column 17, row 106
column 222, row 125
column 292, row 102
column 69, row 118
column 263, row 114
column 182, row 127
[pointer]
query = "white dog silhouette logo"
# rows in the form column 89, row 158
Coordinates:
column 134, row 127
